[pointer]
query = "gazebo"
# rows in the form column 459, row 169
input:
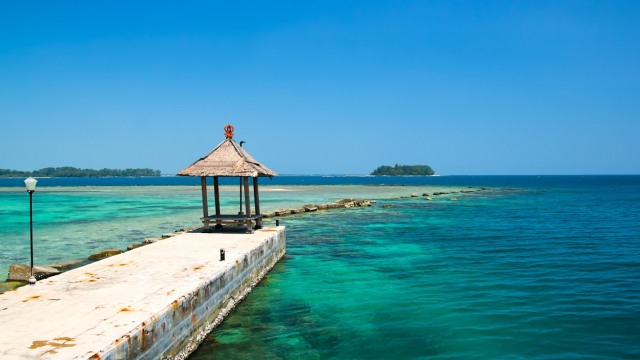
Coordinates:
column 229, row 159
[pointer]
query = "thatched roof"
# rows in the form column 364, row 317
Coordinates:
column 227, row 159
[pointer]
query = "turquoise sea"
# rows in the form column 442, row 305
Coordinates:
column 530, row 267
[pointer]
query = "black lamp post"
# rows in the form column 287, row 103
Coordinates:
column 31, row 187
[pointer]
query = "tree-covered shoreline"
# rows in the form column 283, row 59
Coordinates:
column 68, row 171
column 401, row 170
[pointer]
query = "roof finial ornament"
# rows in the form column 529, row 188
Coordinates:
column 228, row 131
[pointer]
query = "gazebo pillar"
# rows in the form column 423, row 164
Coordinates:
column 216, row 195
column 247, row 200
column 256, row 199
column 205, row 204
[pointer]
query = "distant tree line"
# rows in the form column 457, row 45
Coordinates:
column 68, row 171
column 400, row 170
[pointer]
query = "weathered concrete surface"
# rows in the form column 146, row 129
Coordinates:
column 157, row 301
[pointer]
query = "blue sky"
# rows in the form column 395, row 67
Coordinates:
column 323, row 87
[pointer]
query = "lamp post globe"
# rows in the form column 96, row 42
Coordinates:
column 30, row 183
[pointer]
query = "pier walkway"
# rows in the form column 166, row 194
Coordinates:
column 156, row 301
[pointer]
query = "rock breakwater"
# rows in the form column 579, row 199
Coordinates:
column 308, row 208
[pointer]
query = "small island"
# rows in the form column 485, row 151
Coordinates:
column 402, row 170
column 68, row 171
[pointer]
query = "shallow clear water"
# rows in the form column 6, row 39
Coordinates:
column 534, row 268
column 72, row 222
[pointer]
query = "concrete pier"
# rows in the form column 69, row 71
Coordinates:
column 154, row 302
